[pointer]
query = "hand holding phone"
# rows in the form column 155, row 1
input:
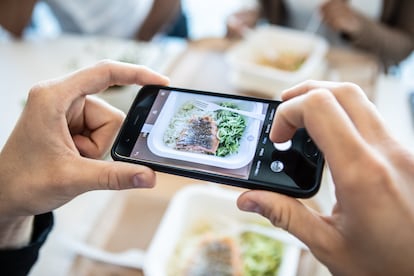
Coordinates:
column 217, row 137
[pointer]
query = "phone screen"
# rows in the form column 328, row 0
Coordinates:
column 220, row 137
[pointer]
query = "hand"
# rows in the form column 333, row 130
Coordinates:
column 50, row 156
column 370, row 230
column 341, row 17
column 241, row 22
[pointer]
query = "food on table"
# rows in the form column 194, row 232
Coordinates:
column 287, row 60
column 207, row 248
column 214, row 256
column 261, row 255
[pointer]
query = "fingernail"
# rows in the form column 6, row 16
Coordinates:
column 251, row 206
column 140, row 182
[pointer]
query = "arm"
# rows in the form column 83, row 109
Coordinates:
column 61, row 132
column 391, row 42
column 15, row 232
column 271, row 10
column 162, row 13
column 373, row 219
column 16, row 15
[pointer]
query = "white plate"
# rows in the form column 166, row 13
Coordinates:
column 237, row 160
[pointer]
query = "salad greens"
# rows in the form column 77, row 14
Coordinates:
column 230, row 130
column 261, row 255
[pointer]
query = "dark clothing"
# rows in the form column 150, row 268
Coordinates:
column 180, row 27
column 20, row 261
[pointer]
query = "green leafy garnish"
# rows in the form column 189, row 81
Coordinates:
column 231, row 126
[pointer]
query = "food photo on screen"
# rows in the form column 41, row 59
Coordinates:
column 219, row 134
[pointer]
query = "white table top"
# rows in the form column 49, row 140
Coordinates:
column 26, row 62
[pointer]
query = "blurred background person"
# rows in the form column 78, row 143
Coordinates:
column 137, row 19
column 382, row 27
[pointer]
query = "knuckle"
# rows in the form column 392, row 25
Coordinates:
column 37, row 91
column 119, row 116
column 104, row 63
column 109, row 179
column 310, row 82
column 279, row 216
column 351, row 90
column 104, row 66
column 351, row 85
column 379, row 169
column 317, row 98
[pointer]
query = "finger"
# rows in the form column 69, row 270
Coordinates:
column 306, row 86
column 88, row 174
column 99, row 77
column 362, row 112
column 93, row 134
column 326, row 122
column 287, row 213
column 354, row 101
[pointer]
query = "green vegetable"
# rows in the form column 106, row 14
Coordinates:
column 262, row 255
column 230, row 130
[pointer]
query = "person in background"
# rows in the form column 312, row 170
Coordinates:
column 382, row 27
column 52, row 156
column 135, row 19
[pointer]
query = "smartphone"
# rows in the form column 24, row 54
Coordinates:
column 217, row 137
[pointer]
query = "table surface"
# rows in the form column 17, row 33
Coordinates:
column 198, row 65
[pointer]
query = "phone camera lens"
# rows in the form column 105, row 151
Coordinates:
column 310, row 149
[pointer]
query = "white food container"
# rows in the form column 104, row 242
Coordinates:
column 203, row 202
column 247, row 73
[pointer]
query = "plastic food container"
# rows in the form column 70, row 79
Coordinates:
column 234, row 161
column 205, row 202
column 280, row 47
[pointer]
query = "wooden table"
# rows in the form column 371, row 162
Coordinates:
column 131, row 217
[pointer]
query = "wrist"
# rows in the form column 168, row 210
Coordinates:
column 15, row 232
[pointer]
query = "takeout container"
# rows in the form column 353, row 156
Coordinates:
column 247, row 73
column 205, row 202
column 248, row 141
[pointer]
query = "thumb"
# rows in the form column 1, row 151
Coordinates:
column 287, row 213
column 107, row 175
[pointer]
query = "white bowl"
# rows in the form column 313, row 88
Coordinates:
column 237, row 160
column 268, row 40
column 205, row 202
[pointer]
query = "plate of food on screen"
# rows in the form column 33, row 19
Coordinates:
column 208, row 130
